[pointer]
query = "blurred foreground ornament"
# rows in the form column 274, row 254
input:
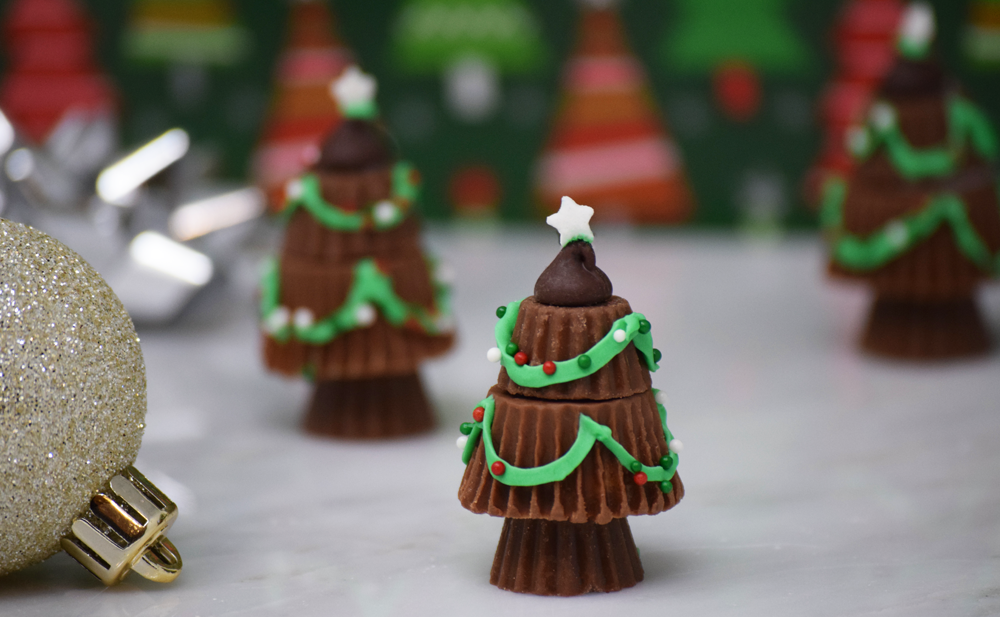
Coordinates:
column 72, row 410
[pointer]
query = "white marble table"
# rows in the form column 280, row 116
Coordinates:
column 819, row 482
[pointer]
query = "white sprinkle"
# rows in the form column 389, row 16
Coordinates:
column 293, row 189
column 303, row 318
column 365, row 314
column 858, row 140
column 882, row 116
column 897, row 234
column 661, row 397
column 385, row 211
column 620, row 336
column 277, row 320
column 675, row 445
column 460, row 442
column 493, row 354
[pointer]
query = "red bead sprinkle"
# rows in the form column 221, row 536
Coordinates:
column 549, row 368
column 521, row 358
column 498, row 468
column 640, row 478
column 477, row 414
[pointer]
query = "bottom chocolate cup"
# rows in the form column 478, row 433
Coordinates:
column 555, row 558
column 377, row 408
column 900, row 328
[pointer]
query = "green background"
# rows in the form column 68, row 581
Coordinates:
column 226, row 117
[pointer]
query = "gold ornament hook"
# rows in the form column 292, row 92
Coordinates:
column 124, row 530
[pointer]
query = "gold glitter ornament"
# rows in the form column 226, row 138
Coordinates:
column 72, row 407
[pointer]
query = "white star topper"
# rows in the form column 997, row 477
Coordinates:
column 354, row 89
column 572, row 221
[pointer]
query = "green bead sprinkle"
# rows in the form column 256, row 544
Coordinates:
column 501, row 311
column 666, row 486
column 657, row 355
column 635, row 466
column 644, row 326
column 466, row 428
column 511, row 349
column 665, row 461
column 583, row 361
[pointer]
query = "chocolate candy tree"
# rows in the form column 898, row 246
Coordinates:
column 353, row 303
column 572, row 438
column 918, row 218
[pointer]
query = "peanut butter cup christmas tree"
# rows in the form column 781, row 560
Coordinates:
column 918, row 217
column 353, row 303
column 572, row 438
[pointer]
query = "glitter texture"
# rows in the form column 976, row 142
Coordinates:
column 72, row 391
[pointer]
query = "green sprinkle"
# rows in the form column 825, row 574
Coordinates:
column 666, row 486
column 511, row 348
column 635, row 466
column 583, row 361
column 466, row 428
column 657, row 355
column 644, row 326
column 665, row 461
column 501, row 311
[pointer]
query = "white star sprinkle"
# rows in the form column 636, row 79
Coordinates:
column 354, row 89
column 572, row 221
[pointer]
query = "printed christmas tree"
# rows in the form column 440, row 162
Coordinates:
column 51, row 69
column 864, row 39
column 302, row 110
column 470, row 44
column 608, row 145
column 918, row 217
column 194, row 32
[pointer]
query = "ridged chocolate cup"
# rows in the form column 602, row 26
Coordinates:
column 557, row 333
column 925, row 330
column 378, row 408
column 935, row 269
column 306, row 240
column 323, row 287
column 529, row 433
column 380, row 350
column 553, row 558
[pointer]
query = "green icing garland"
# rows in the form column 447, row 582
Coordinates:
column 589, row 433
column 901, row 234
column 965, row 123
column 370, row 288
column 384, row 214
column 634, row 325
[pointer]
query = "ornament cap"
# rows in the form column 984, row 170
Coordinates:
column 124, row 530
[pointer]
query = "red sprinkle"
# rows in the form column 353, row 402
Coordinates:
column 498, row 468
column 549, row 368
column 477, row 414
column 640, row 478
column 521, row 358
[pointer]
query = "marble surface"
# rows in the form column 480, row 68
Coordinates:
column 819, row 482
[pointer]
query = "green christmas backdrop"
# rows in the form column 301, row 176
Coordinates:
column 476, row 84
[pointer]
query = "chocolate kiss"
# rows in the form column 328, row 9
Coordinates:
column 573, row 278
column 356, row 145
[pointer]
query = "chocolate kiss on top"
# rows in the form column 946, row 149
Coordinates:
column 573, row 278
column 356, row 145
column 909, row 78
